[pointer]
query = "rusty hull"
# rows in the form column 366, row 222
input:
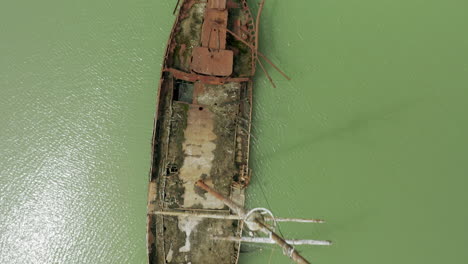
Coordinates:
column 201, row 132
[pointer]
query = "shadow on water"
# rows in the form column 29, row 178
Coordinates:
column 352, row 126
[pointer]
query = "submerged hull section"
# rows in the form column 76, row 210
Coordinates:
column 202, row 131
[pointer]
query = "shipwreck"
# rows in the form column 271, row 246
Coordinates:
column 201, row 141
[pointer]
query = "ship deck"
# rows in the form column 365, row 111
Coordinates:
column 202, row 132
column 205, row 137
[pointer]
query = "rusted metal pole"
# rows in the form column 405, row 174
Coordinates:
column 288, row 250
column 274, row 66
column 258, row 52
column 266, row 72
column 235, row 207
column 257, row 28
column 257, row 24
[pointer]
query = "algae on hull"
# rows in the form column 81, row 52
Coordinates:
column 188, row 36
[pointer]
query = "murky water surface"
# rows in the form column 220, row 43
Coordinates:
column 371, row 133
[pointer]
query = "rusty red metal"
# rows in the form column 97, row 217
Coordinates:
column 193, row 77
column 232, row 4
column 212, row 58
column 217, row 4
column 216, row 63
column 211, row 36
column 237, row 26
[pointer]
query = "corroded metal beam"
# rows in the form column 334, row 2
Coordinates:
column 288, row 250
column 267, row 240
column 233, row 217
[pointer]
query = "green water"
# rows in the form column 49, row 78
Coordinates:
column 371, row 133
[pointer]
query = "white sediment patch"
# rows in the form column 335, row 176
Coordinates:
column 169, row 255
column 187, row 225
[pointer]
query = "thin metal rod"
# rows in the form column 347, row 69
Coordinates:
column 266, row 73
column 266, row 240
column 175, row 8
column 274, row 66
column 257, row 30
column 233, row 217
column 255, row 51
column 198, row 215
column 257, row 23
column 296, row 220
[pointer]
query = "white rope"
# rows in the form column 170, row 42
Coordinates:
column 265, row 211
column 288, row 252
